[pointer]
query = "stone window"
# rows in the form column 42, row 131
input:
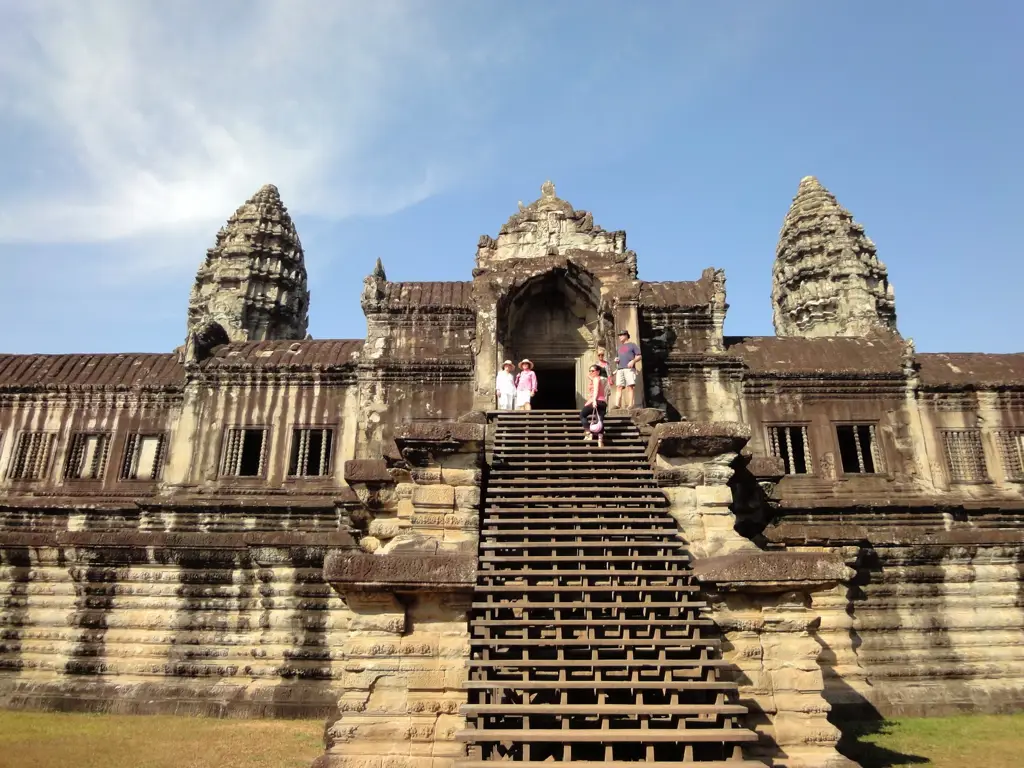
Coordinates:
column 790, row 444
column 859, row 450
column 311, row 452
column 143, row 457
column 1011, row 446
column 965, row 455
column 31, row 456
column 87, row 456
column 244, row 452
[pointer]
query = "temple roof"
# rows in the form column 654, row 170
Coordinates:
column 971, row 369
column 454, row 294
column 276, row 354
column 822, row 355
column 681, row 293
column 129, row 371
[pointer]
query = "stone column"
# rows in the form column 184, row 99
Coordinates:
column 764, row 605
column 410, row 587
column 762, row 602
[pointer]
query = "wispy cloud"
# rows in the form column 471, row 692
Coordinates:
column 132, row 117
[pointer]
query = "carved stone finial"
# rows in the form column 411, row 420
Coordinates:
column 378, row 270
column 547, row 190
column 252, row 282
column 827, row 279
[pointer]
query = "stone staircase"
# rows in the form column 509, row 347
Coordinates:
column 587, row 641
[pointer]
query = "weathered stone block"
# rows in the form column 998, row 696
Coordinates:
column 433, row 496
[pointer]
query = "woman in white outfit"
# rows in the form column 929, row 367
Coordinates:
column 505, row 387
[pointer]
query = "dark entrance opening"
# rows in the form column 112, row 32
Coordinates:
column 556, row 388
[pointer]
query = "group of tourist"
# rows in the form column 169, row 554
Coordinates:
column 516, row 390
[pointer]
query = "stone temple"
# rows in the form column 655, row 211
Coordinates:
column 790, row 533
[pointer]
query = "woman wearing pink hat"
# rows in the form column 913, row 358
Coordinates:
column 526, row 385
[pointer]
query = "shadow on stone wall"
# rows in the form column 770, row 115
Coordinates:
column 14, row 607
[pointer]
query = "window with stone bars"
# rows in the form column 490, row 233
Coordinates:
column 31, row 457
column 859, row 450
column 87, row 456
column 143, row 457
column 244, row 452
column 965, row 455
column 789, row 443
column 1011, row 446
column 311, row 452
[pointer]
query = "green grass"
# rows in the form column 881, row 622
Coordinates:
column 985, row 741
column 56, row 740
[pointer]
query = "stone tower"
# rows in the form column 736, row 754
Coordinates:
column 827, row 279
column 252, row 285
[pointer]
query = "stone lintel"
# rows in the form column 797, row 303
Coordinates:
column 444, row 571
column 772, row 571
column 687, row 439
column 430, row 444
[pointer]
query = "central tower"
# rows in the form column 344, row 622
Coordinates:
column 552, row 287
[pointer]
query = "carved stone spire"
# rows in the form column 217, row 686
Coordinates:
column 827, row 279
column 378, row 270
column 253, row 281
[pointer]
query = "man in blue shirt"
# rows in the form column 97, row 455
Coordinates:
column 626, row 358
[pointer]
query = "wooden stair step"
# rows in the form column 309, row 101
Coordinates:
column 649, row 664
column 527, row 532
column 617, row 764
column 594, row 685
column 563, row 484
column 590, row 624
column 578, row 605
column 600, row 642
column 589, row 574
column 603, row 709
column 602, row 735
column 574, row 544
column 517, row 589
column 674, row 558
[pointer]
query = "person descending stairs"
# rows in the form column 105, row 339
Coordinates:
column 587, row 640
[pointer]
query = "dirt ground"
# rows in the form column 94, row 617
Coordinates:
column 57, row 740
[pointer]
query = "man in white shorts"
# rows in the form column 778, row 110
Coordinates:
column 625, row 371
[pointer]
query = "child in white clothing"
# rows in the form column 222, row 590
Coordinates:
column 505, row 387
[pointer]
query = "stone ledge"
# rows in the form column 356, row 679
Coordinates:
column 169, row 540
column 772, row 571
column 886, row 534
column 693, row 439
column 766, row 467
column 367, row 471
column 402, row 571
column 448, row 431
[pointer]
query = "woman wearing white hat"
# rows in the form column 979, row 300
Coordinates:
column 526, row 385
column 505, row 387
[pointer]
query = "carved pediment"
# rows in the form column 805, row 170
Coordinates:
column 549, row 226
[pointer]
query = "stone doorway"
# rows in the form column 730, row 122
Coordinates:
column 554, row 322
column 556, row 388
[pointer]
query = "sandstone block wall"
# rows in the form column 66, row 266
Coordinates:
column 927, row 630
column 410, row 592
column 230, row 625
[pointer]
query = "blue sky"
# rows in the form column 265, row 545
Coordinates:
column 130, row 130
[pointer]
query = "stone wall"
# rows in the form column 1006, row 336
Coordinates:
column 186, row 623
column 933, row 622
column 410, row 589
column 761, row 602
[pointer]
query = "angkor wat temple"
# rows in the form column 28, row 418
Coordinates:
column 790, row 532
